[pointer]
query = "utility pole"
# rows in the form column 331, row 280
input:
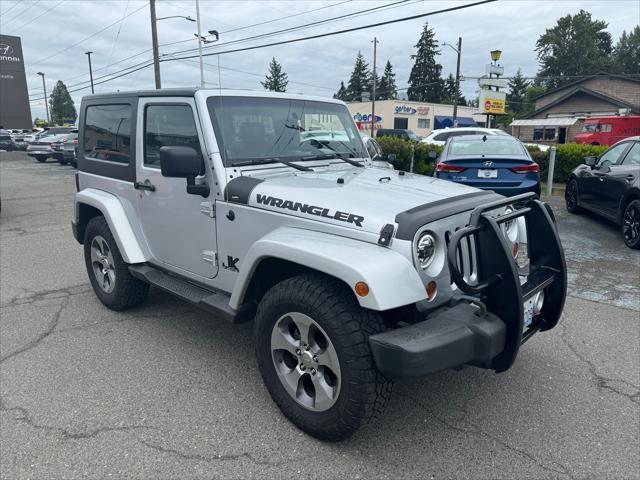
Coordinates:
column 455, row 96
column 154, row 41
column 200, row 44
column 46, row 103
column 88, row 54
column 373, row 90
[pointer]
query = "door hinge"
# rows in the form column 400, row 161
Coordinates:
column 210, row 256
column 208, row 209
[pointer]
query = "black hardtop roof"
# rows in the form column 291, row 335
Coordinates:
column 163, row 92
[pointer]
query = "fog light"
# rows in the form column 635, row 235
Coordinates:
column 362, row 289
column 538, row 301
column 432, row 289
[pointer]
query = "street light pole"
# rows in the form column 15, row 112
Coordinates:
column 46, row 103
column 373, row 90
column 200, row 44
column 88, row 54
column 455, row 95
column 154, row 41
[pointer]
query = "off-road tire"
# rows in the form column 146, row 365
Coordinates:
column 62, row 161
column 364, row 391
column 572, row 203
column 631, row 243
column 128, row 291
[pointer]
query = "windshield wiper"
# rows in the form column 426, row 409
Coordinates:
column 324, row 156
column 262, row 161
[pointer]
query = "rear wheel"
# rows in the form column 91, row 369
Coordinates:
column 108, row 272
column 571, row 197
column 41, row 158
column 314, row 356
column 62, row 161
column 631, row 225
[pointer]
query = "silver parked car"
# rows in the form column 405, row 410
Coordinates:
column 46, row 147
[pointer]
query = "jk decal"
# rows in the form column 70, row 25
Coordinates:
column 231, row 264
column 310, row 209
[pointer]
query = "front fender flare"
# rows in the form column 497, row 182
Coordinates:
column 392, row 279
column 113, row 211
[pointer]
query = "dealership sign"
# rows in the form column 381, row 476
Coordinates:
column 15, row 111
column 492, row 102
column 363, row 121
column 405, row 109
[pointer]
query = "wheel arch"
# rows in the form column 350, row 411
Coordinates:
column 392, row 279
column 91, row 203
column 627, row 198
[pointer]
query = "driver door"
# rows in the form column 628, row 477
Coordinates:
column 593, row 193
column 179, row 227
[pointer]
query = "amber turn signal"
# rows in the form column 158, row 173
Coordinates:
column 362, row 289
column 432, row 289
column 515, row 250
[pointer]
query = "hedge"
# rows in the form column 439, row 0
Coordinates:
column 568, row 156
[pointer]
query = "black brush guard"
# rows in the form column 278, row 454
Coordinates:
column 488, row 336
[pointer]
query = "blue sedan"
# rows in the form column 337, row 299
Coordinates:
column 489, row 162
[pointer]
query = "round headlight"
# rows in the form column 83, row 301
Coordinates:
column 426, row 249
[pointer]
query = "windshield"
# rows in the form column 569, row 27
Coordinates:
column 495, row 145
column 249, row 128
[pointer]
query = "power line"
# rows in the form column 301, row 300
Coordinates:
column 115, row 42
column 90, row 36
column 11, row 7
column 295, row 40
column 19, row 14
column 37, row 17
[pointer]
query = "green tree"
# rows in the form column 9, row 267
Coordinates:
column 388, row 89
column 276, row 79
column 518, row 86
column 61, row 105
column 425, row 81
column 529, row 102
column 626, row 53
column 450, row 91
column 341, row 94
column 360, row 80
column 575, row 46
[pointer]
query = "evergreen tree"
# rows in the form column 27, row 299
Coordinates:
column 626, row 53
column 518, row 86
column 276, row 79
column 387, row 88
column 360, row 80
column 449, row 94
column 341, row 94
column 61, row 105
column 576, row 45
column 529, row 102
column 425, row 82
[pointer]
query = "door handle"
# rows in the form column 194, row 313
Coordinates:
column 146, row 185
column 630, row 178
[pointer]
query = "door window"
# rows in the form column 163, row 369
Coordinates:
column 612, row 156
column 168, row 126
column 633, row 157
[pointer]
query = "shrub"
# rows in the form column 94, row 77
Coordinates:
column 401, row 148
column 568, row 157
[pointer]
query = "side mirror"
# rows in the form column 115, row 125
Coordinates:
column 591, row 161
column 391, row 157
column 432, row 154
column 183, row 162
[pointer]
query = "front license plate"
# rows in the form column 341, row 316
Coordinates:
column 492, row 173
column 528, row 312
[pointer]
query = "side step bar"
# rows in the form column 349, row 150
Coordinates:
column 213, row 301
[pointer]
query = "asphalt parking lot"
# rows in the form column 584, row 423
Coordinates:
column 166, row 391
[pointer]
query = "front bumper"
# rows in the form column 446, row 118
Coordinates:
column 485, row 326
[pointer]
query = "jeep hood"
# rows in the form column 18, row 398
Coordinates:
column 360, row 198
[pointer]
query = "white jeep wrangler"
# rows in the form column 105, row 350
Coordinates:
column 265, row 207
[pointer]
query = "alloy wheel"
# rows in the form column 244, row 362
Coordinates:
column 631, row 224
column 571, row 195
column 306, row 361
column 102, row 263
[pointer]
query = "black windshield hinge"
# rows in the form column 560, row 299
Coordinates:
column 386, row 235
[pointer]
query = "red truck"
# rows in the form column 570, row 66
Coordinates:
column 608, row 130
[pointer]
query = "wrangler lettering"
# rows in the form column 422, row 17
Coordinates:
column 310, row 209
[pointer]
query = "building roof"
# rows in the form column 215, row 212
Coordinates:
column 545, row 122
column 587, row 91
column 632, row 78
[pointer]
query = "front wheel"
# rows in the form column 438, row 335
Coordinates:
column 108, row 272
column 571, row 197
column 313, row 353
column 631, row 225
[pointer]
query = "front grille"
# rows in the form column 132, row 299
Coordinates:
column 466, row 257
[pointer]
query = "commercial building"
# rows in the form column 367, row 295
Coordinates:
column 559, row 113
column 419, row 117
column 14, row 96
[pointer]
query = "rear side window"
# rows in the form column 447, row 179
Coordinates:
column 107, row 133
column 168, row 126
